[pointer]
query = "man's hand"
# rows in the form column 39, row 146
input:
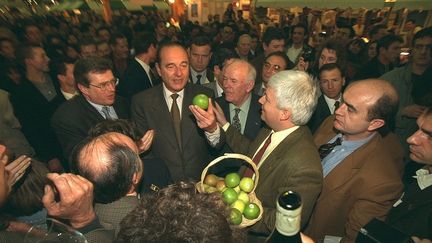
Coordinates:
column 413, row 111
column 146, row 141
column 302, row 65
column 76, row 199
column 206, row 120
column 418, row 240
column 220, row 117
column 16, row 169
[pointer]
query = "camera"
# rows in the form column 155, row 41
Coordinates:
column 308, row 55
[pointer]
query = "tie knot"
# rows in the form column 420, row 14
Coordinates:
column 237, row 111
column 326, row 149
column 199, row 76
column 174, row 96
column 336, row 104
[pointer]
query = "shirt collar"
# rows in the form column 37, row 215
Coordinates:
column 168, row 93
column 143, row 65
column 244, row 106
column 424, row 178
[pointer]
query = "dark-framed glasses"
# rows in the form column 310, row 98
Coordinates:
column 105, row 85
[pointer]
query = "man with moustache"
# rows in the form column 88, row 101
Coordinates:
column 164, row 108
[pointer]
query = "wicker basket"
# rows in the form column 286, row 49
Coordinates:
column 252, row 196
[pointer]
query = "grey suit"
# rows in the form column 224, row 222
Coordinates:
column 293, row 165
column 150, row 111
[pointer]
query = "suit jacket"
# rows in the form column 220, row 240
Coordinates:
column 363, row 186
column 253, row 120
column 209, row 75
column 111, row 214
column 212, row 86
column 414, row 215
column 293, row 165
column 34, row 112
column 258, row 63
column 74, row 118
column 150, row 111
column 321, row 112
column 135, row 79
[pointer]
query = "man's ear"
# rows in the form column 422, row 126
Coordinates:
column 158, row 69
column 83, row 89
column 285, row 115
column 60, row 77
column 375, row 124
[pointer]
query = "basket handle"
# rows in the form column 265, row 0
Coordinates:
column 231, row 156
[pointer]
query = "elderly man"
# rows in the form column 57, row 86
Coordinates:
column 361, row 167
column 243, row 48
column 284, row 151
column 163, row 108
column 111, row 162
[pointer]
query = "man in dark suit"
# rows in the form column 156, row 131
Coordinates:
column 362, row 168
column 200, row 53
column 164, row 108
column 284, row 151
column 411, row 214
column 33, row 102
column 139, row 74
column 98, row 101
column 331, row 81
column 62, row 71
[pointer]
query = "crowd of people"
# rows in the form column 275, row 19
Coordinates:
column 98, row 129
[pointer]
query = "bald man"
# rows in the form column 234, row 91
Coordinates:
column 362, row 162
column 111, row 162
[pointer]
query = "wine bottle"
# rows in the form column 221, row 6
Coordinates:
column 288, row 216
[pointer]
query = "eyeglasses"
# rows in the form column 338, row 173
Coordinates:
column 105, row 85
column 276, row 68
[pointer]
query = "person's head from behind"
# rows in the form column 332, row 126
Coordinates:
column 118, row 126
column 111, row 162
column 389, row 48
column 238, row 81
column 421, row 141
column 368, row 106
column 219, row 60
column 273, row 40
column 274, row 63
column 289, row 100
column 178, row 214
column 95, row 80
column 26, row 196
column 172, row 65
column 200, row 53
column 331, row 80
column 145, row 43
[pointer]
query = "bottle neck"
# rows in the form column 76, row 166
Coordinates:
column 288, row 221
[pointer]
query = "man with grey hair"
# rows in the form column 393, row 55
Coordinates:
column 243, row 48
column 284, row 151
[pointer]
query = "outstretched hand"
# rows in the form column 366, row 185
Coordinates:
column 206, row 119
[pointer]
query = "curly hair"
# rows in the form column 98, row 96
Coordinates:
column 179, row 214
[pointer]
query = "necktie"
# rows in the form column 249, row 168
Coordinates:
column 105, row 111
column 257, row 158
column 198, row 79
column 236, row 120
column 175, row 115
column 325, row 149
column 336, row 105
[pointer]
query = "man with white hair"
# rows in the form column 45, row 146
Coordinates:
column 284, row 151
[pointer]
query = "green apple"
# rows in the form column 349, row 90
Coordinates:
column 232, row 180
column 247, row 184
column 243, row 196
column 239, row 204
column 201, row 100
column 229, row 196
column 235, row 216
column 251, row 211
